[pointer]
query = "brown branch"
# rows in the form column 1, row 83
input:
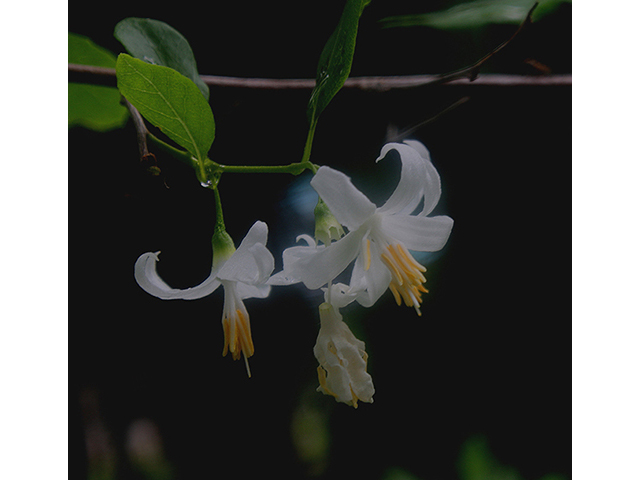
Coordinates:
column 107, row 76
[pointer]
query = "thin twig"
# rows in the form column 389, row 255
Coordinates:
column 398, row 136
column 141, row 128
column 466, row 76
column 471, row 72
column 107, row 76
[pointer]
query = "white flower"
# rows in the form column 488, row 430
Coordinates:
column 242, row 273
column 379, row 239
column 343, row 361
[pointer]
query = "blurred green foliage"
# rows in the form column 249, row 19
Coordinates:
column 93, row 106
column 479, row 13
column 476, row 462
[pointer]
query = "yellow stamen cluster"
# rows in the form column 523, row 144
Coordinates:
column 237, row 337
column 406, row 276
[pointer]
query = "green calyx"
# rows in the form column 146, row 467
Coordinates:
column 327, row 227
column 222, row 245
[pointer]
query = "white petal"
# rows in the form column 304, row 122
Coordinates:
column 252, row 291
column 419, row 179
column 410, row 188
column 349, row 205
column 149, row 280
column 424, row 234
column 258, row 233
column 251, row 263
column 372, row 282
column 282, row 279
column 420, row 148
column 340, row 295
column 317, row 266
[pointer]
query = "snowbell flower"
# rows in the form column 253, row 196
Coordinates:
column 242, row 274
column 342, row 372
column 379, row 238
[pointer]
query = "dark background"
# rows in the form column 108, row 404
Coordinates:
column 491, row 353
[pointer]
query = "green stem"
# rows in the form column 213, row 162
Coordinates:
column 219, row 216
column 292, row 168
column 306, row 154
column 181, row 155
column 209, row 168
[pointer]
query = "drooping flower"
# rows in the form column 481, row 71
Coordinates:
column 379, row 239
column 342, row 372
column 242, row 274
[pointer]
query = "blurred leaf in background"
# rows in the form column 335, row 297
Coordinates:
column 94, row 107
column 476, row 462
column 145, row 450
column 397, row 473
column 310, row 432
column 479, row 13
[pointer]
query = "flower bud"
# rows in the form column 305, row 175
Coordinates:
column 343, row 361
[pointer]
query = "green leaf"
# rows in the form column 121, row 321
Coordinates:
column 336, row 59
column 157, row 43
column 476, row 14
column 93, row 106
column 168, row 100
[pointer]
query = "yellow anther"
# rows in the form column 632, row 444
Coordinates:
column 367, row 264
column 396, row 295
column 237, row 337
column 407, row 278
column 389, row 262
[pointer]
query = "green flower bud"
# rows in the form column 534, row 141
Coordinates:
column 327, row 227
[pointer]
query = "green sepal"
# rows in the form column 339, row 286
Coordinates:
column 222, row 245
column 327, row 227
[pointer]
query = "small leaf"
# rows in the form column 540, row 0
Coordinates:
column 336, row 59
column 168, row 100
column 157, row 43
column 93, row 106
column 476, row 14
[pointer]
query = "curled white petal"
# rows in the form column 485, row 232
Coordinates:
column 340, row 295
column 420, row 148
column 307, row 238
column 147, row 277
column 410, row 189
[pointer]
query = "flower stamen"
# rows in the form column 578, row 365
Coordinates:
column 367, row 264
column 237, row 337
column 407, row 276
